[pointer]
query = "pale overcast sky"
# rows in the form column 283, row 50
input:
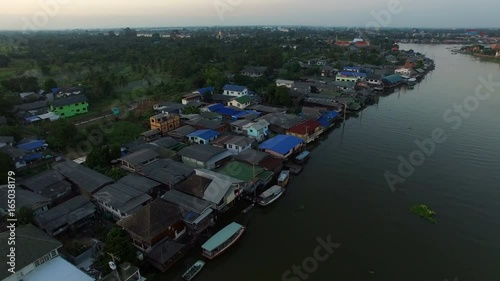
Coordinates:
column 70, row 14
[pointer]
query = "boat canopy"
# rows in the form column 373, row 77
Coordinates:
column 271, row 191
column 222, row 236
column 283, row 175
column 303, row 155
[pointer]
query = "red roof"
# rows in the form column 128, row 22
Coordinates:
column 306, row 127
column 342, row 43
column 362, row 43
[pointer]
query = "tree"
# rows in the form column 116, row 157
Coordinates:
column 6, row 165
column 120, row 245
column 4, row 61
column 62, row 134
column 99, row 157
column 191, row 110
column 24, row 215
column 50, row 84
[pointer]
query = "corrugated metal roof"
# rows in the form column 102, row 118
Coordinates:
column 234, row 88
column 204, row 134
column 281, row 144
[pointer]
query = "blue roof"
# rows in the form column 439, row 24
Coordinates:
column 240, row 114
column 234, row 88
column 331, row 114
column 204, row 134
column 32, row 145
column 215, row 107
column 203, row 91
column 281, row 143
column 33, row 157
column 392, row 78
column 351, row 73
column 227, row 111
column 55, row 90
column 222, row 236
column 352, row 67
column 323, row 121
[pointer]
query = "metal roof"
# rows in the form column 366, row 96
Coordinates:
column 201, row 152
column 281, row 144
column 204, row 134
column 82, row 176
column 234, row 88
column 68, row 212
column 71, row 100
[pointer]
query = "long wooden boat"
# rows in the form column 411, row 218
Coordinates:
column 193, row 270
column 269, row 196
column 284, row 178
column 222, row 240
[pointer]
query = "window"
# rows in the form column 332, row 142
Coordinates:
column 61, row 108
column 78, row 110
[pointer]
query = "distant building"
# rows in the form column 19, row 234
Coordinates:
column 70, row 106
column 254, row 71
column 165, row 122
column 286, row 83
column 241, row 102
column 235, row 90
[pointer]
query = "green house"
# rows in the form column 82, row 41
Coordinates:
column 70, row 106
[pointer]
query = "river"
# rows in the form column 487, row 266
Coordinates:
column 345, row 196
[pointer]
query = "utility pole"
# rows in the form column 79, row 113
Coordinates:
column 113, row 265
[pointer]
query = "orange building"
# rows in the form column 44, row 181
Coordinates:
column 165, row 122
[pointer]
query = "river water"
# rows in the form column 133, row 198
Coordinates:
column 345, row 196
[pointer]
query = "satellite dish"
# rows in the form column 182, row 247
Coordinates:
column 112, row 265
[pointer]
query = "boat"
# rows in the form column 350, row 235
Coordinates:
column 284, row 178
column 222, row 240
column 294, row 168
column 302, row 157
column 193, row 270
column 412, row 81
column 269, row 196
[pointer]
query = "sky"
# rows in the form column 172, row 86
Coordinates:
column 90, row 14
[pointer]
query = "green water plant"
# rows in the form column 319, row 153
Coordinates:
column 424, row 211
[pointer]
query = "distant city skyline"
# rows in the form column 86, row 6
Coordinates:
column 111, row 14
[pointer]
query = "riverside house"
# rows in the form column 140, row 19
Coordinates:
column 308, row 131
column 282, row 146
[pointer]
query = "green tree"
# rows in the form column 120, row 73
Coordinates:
column 6, row 165
column 24, row 215
column 63, row 134
column 99, row 157
column 191, row 110
column 120, row 245
column 50, row 84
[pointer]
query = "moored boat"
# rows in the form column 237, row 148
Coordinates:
column 193, row 270
column 284, row 178
column 222, row 240
column 269, row 196
column 412, row 81
column 302, row 157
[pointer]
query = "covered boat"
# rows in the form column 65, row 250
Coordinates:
column 269, row 196
column 284, row 178
column 302, row 157
column 222, row 240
